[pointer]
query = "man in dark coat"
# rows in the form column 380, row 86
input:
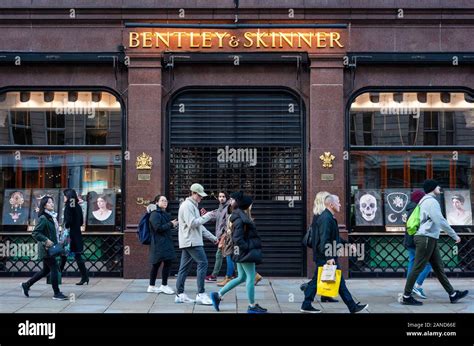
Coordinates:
column 326, row 238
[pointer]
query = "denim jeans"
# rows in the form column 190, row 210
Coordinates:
column 230, row 266
column 424, row 274
column 188, row 255
column 310, row 291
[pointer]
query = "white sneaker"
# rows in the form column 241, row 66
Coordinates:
column 166, row 289
column 153, row 289
column 183, row 298
column 203, row 299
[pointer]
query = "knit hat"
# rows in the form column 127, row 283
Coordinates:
column 244, row 203
column 237, row 195
column 429, row 185
column 416, row 196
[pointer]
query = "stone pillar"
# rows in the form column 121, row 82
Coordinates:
column 144, row 132
column 326, row 134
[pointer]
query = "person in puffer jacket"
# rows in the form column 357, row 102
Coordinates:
column 247, row 253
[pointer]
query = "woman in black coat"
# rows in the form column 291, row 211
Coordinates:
column 73, row 220
column 161, row 244
column 247, row 253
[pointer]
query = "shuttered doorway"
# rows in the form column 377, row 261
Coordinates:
column 243, row 139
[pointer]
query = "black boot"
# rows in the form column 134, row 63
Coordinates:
column 25, row 288
column 83, row 270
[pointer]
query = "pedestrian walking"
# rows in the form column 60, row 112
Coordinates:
column 161, row 244
column 190, row 237
column 46, row 233
column 73, row 220
column 247, row 253
column 325, row 235
column 426, row 238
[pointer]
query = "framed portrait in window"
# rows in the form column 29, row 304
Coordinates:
column 101, row 208
column 36, row 196
column 16, row 207
column 368, row 204
column 458, row 207
column 395, row 203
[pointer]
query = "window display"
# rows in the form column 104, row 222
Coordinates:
column 16, row 207
column 458, row 207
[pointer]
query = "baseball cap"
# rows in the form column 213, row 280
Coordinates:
column 199, row 189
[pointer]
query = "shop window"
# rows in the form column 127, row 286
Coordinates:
column 386, row 176
column 54, row 120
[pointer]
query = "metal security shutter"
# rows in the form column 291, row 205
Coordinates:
column 206, row 125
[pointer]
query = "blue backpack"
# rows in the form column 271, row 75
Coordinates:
column 143, row 231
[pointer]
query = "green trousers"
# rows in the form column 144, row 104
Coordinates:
column 427, row 251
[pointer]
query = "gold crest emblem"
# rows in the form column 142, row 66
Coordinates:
column 327, row 159
column 144, row 161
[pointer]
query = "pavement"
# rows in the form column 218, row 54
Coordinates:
column 278, row 295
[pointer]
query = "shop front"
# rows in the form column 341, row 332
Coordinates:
column 339, row 98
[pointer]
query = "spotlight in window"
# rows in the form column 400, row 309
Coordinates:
column 422, row 97
column 469, row 98
column 96, row 96
column 48, row 96
column 374, row 97
column 72, row 96
column 398, row 97
column 445, row 97
column 24, row 96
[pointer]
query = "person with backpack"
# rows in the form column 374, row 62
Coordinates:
column 190, row 237
column 161, row 244
column 247, row 253
column 46, row 233
column 318, row 208
column 415, row 198
column 431, row 223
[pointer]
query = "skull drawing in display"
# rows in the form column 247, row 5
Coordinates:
column 368, row 207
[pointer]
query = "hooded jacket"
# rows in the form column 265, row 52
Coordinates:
column 161, row 243
column 432, row 220
column 246, row 241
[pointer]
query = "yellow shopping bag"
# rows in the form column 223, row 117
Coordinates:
column 328, row 289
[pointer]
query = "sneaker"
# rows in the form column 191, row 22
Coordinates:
column 419, row 292
column 310, row 310
column 166, row 289
column 255, row 310
column 183, row 298
column 216, row 300
column 211, row 278
column 410, row 301
column 60, row 296
column 260, row 308
column 203, row 299
column 25, row 288
column 153, row 289
column 359, row 307
column 458, row 295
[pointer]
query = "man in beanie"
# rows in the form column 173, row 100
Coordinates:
column 191, row 231
column 426, row 241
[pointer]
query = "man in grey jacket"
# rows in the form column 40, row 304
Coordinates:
column 190, row 238
column 426, row 241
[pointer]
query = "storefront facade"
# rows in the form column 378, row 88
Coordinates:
column 284, row 102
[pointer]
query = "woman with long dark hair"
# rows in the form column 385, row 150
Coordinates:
column 46, row 233
column 73, row 220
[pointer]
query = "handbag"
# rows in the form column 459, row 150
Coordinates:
column 307, row 239
column 329, row 273
column 55, row 250
column 328, row 289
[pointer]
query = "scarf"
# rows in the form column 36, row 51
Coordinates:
column 54, row 216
